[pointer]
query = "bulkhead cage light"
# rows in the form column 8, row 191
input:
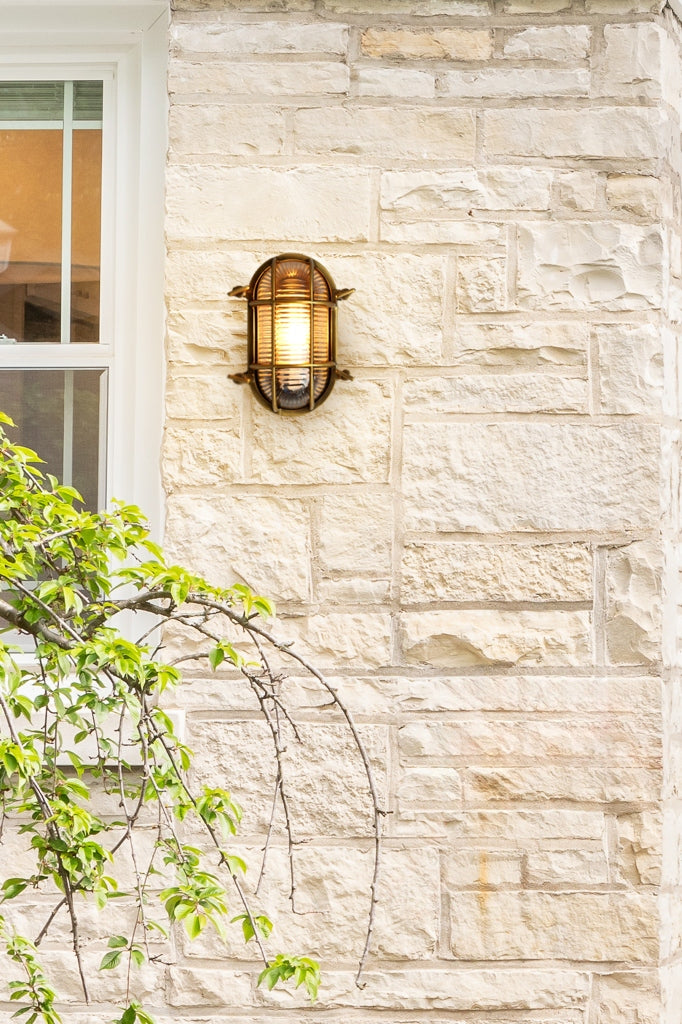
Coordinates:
column 292, row 314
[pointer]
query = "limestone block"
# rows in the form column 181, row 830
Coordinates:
column 390, row 696
column 515, row 83
column 387, row 133
column 395, row 316
column 481, row 284
column 195, row 397
column 640, row 840
column 196, row 987
column 356, row 532
column 635, row 193
column 438, row 44
column 631, row 62
column 195, row 276
column 462, row 571
column 306, row 203
column 212, row 459
column 270, row 78
column 403, row 83
column 249, row 38
column 630, row 368
column 538, row 925
column 626, row 133
column 443, row 231
column 201, row 337
column 224, row 131
column 633, row 603
column 522, row 828
column 480, row 868
column 431, row 194
column 257, row 6
column 447, row 988
column 325, row 777
column 579, row 266
column 361, row 641
column 522, row 392
column 262, row 541
column 457, row 637
column 552, row 868
column 103, row 986
column 589, row 783
column 416, row 8
column 624, row 6
column 522, row 346
column 348, row 443
column 627, row 997
column 614, row 739
column 332, row 903
column 349, row 589
column 534, row 6
column 561, row 44
column 523, row 476
column 422, row 788
column 577, row 190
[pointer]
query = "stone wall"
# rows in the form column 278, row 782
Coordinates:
column 469, row 536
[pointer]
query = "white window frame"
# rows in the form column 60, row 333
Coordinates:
column 125, row 44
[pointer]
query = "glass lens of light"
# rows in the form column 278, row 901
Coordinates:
column 294, row 357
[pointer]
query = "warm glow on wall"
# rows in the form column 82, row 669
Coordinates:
column 292, row 333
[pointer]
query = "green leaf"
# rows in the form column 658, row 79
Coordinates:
column 117, row 942
column 111, row 960
column 216, row 656
column 12, row 887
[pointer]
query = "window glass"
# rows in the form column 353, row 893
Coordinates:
column 61, row 414
column 50, row 211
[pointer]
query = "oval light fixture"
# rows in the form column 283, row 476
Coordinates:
column 292, row 333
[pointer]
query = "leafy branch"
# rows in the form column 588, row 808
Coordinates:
column 84, row 712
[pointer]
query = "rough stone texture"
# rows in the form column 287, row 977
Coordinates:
column 463, row 571
column 219, row 79
column 350, row 445
column 580, row 266
column 218, row 539
column 534, row 926
column 521, row 346
column 477, row 537
column 512, row 393
column 387, row 133
column 336, row 203
column 630, row 368
column 634, row 193
column 620, row 133
column 515, row 83
column 443, row 44
column 633, row 587
column 434, row 194
column 541, row 476
column 562, row 44
column 448, row 639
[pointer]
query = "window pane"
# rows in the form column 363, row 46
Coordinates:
column 31, row 101
column 85, row 252
column 50, row 179
column 87, row 101
column 58, row 414
column 30, row 235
